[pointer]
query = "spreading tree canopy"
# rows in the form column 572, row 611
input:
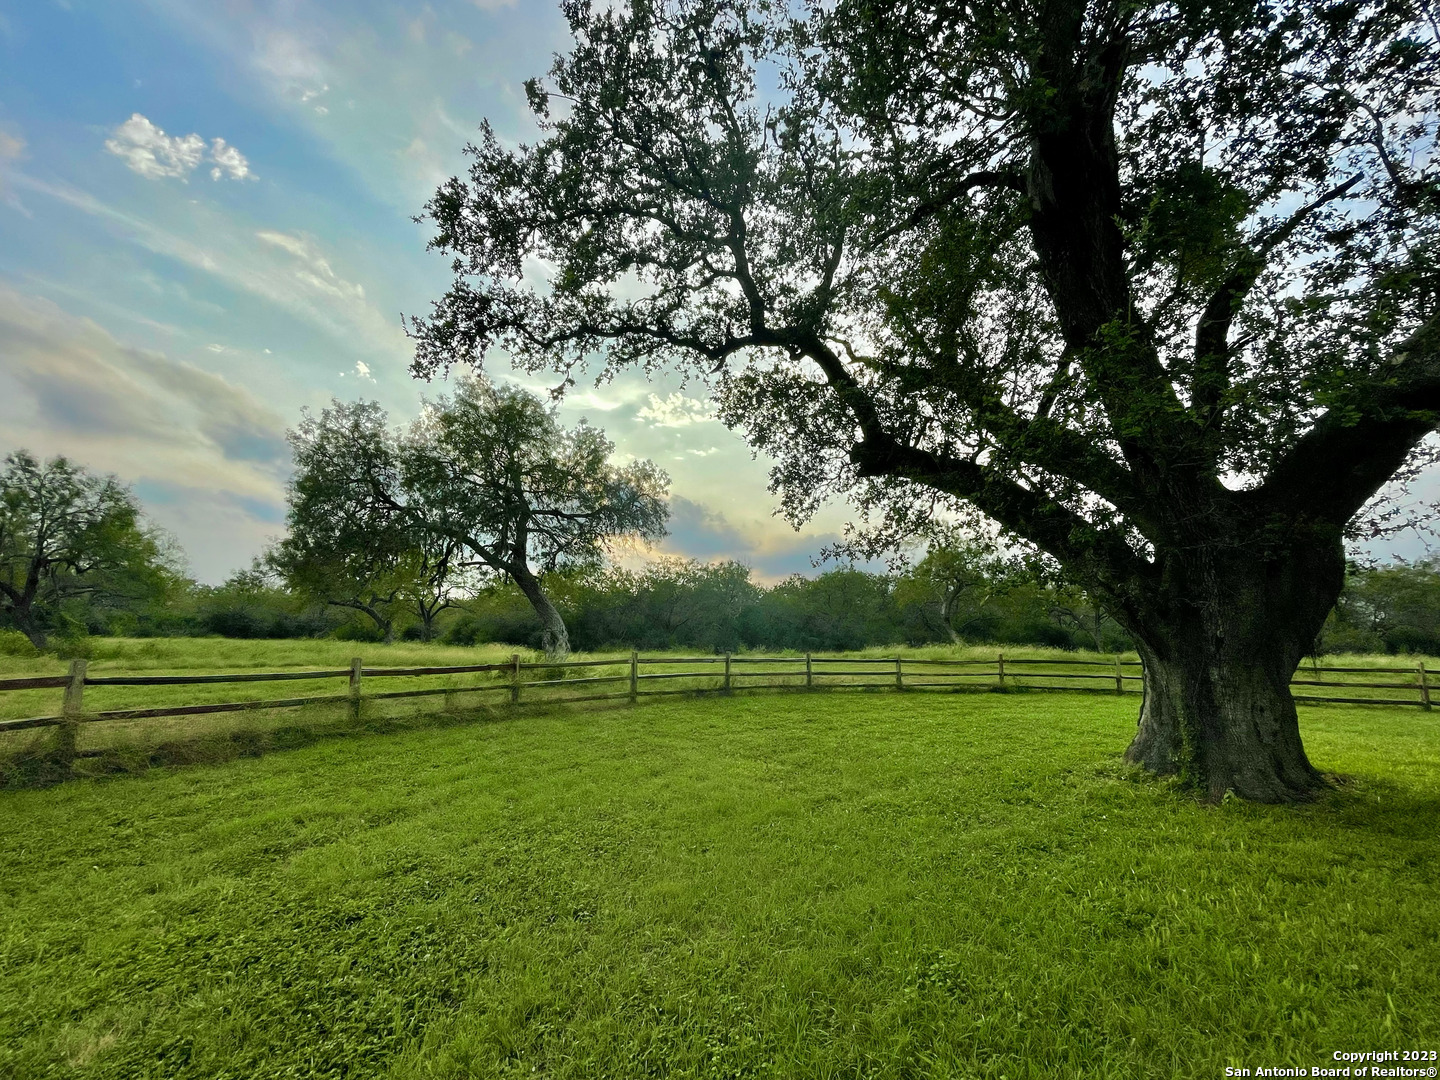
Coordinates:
column 1152, row 285
column 485, row 480
column 66, row 535
column 345, row 551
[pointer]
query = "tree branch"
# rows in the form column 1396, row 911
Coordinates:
column 1099, row 554
column 1341, row 462
column 928, row 208
column 1212, row 331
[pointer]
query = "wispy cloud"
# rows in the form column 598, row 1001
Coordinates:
column 67, row 386
column 287, row 269
column 311, row 267
column 697, row 531
column 12, row 149
column 12, row 146
column 147, row 150
column 394, row 95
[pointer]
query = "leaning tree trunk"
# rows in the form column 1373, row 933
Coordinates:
column 1219, row 651
column 23, row 616
column 555, row 638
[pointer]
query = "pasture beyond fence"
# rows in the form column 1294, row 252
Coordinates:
column 518, row 682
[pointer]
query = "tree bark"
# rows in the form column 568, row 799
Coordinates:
column 24, row 619
column 1219, row 650
column 555, row 638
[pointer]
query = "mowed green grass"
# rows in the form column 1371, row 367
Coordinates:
column 826, row 885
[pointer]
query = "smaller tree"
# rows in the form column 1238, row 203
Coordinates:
column 489, row 471
column 434, row 578
column 957, row 580
column 66, row 533
column 1394, row 608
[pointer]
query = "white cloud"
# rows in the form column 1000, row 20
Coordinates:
column 362, row 370
column 492, row 5
column 676, row 410
column 147, row 150
column 228, row 161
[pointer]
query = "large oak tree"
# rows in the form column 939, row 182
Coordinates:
column 1152, row 285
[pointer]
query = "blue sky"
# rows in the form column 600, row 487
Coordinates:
column 205, row 225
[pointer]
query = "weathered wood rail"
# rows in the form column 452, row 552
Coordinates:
column 708, row 675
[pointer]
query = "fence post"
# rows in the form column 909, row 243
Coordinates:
column 1424, row 687
column 356, row 669
column 515, row 678
column 899, row 678
column 1002, row 670
column 635, row 674
column 809, row 673
column 68, row 734
column 727, row 673
column 1119, row 676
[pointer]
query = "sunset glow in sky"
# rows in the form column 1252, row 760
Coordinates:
column 205, row 225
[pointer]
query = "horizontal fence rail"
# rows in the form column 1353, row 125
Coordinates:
column 717, row 674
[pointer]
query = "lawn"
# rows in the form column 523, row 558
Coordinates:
column 829, row 885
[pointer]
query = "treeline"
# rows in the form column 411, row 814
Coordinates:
column 77, row 559
column 722, row 608
column 670, row 604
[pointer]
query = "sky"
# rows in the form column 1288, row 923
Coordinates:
column 206, row 225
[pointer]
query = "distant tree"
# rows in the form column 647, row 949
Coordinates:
column 843, row 608
column 1153, row 285
column 255, row 603
column 66, row 533
column 957, row 579
column 489, row 471
column 1070, row 605
column 679, row 603
column 1394, row 608
column 434, row 580
column 351, row 553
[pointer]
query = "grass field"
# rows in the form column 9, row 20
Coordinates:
column 828, row 885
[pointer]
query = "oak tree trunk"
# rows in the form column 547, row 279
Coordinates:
column 1219, row 653
column 555, row 638
column 24, row 619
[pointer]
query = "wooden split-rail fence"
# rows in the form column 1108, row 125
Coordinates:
column 519, row 682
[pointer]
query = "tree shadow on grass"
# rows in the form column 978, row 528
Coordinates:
column 1384, row 808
